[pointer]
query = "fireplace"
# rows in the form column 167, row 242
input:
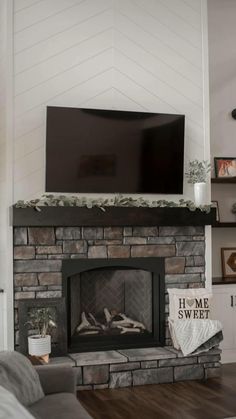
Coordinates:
column 44, row 257
column 114, row 304
column 58, row 252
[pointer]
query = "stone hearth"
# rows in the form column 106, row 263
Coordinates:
column 134, row 367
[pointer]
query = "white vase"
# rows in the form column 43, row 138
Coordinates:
column 200, row 193
column 38, row 345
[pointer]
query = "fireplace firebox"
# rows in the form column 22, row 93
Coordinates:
column 114, row 303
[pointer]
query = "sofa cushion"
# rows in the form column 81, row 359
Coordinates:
column 60, row 406
column 18, row 376
column 189, row 304
column 10, row 408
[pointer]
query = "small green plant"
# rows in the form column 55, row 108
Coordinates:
column 42, row 320
column 103, row 203
column 197, row 171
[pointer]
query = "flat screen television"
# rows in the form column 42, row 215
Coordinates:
column 109, row 151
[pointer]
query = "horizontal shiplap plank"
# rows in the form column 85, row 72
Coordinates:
column 158, row 69
column 57, row 44
column 60, row 63
column 155, row 47
column 41, row 11
column 163, row 33
column 63, row 82
column 58, row 23
column 162, row 90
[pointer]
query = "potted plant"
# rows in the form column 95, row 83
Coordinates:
column 42, row 320
column 197, row 175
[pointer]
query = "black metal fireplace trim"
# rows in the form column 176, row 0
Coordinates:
column 154, row 265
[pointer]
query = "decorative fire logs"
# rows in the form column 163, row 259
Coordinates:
column 112, row 320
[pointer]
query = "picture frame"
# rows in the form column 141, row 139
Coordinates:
column 228, row 259
column 58, row 335
column 225, row 167
column 215, row 204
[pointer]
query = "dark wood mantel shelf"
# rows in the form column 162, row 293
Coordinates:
column 113, row 216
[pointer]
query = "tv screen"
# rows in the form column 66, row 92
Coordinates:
column 107, row 151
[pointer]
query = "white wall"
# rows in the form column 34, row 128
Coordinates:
column 121, row 54
column 222, row 79
column 2, row 160
column 6, row 279
column 222, row 67
column 222, row 70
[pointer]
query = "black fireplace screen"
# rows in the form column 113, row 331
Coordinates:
column 114, row 305
column 111, row 302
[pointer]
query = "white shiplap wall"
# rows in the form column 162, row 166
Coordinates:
column 6, row 163
column 121, row 54
column 2, row 164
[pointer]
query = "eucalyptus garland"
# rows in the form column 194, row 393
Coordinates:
column 103, row 203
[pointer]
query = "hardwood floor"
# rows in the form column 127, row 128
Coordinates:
column 215, row 398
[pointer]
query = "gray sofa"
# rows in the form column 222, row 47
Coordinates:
column 43, row 391
column 60, row 400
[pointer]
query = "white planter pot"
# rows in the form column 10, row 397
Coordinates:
column 38, row 345
column 200, row 193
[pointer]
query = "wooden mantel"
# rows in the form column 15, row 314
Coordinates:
column 112, row 216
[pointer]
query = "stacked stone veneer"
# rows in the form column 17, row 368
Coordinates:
column 38, row 255
column 39, row 251
column 134, row 367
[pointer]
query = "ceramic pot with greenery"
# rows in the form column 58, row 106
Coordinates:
column 42, row 320
column 197, row 175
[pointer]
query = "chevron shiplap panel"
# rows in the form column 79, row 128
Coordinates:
column 121, row 54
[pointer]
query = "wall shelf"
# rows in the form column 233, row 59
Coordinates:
column 223, row 281
column 224, row 224
column 223, row 180
column 113, row 216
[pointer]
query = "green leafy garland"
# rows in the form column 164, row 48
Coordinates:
column 103, row 203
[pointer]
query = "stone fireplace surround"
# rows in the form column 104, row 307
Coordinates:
column 38, row 255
